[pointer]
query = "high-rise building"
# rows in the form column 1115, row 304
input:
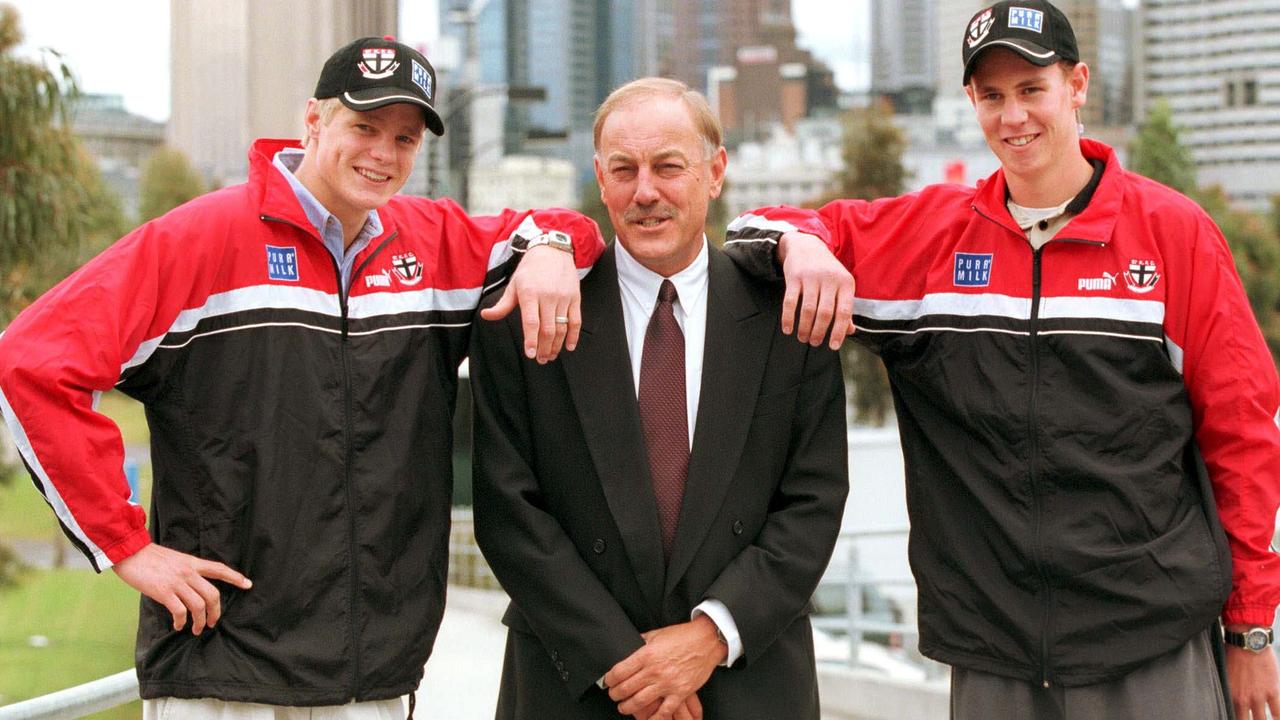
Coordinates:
column 952, row 17
column 1217, row 64
column 905, row 53
column 119, row 141
column 244, row 69
column 709, row 33
column 1103, row 31
column 763, row 77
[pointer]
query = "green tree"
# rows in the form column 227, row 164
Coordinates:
column 1255, row 247
column 718, row 216
column 54, row 210
column 1254, row 239
column 1157, row 153
column 168, row 180
column 872, row 152
column 594, row 208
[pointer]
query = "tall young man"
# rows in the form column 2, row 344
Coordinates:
column 1065, row 344
column 295, row 341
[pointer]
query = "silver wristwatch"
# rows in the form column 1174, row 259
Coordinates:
column 1255, row 639
column 553, row 238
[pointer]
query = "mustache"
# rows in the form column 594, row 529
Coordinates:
column 636, row 214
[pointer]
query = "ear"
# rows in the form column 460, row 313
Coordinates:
column 718, row 165
column 1078, row 80
column 311, row 119
column 599, row 175
column 973, row 98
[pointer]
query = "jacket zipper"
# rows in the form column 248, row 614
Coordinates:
column 349, row 451
column 1037, row 548
column 1033, row 436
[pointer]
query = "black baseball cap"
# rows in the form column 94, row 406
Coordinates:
column 1034, row 29
column 374, row 72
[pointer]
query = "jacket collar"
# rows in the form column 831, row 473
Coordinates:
column 276, row 199
column 1097, row 206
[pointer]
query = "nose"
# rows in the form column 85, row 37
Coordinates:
column 383, row 148
column 1013, row 113
column 646, row 189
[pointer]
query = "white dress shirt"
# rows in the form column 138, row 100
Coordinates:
column 639, row 289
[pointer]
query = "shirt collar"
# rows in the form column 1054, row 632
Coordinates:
column 691, row 282
column 287, row 162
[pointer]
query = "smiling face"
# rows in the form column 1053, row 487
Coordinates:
column 1028, row 114
column 657, row 179
column 355, row 161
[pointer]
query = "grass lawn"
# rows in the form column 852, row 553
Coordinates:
column 25, row 515
column 89, row 620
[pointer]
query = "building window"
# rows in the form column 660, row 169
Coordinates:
column 1250, row 92
column 1231, row 94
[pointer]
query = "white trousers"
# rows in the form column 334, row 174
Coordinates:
column 207, row 709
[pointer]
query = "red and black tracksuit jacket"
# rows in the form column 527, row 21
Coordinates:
column 1053, row 407
column 299, row 433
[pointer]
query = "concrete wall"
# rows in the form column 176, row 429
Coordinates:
column 8, row 452
column 865, row 695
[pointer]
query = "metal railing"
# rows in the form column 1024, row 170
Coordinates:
column 75, row 702
column 466, row 567
column 855, row 622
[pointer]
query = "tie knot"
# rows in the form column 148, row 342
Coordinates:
column 667, row 292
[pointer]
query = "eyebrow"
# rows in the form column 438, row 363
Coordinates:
column 666, row 154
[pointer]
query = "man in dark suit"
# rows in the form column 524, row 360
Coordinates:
column 661, row 504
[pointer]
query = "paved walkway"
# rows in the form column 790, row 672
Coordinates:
column 461, row 681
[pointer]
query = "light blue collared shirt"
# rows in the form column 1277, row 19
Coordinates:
column 325, row 222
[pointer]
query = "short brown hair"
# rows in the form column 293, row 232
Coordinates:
column 703, row 118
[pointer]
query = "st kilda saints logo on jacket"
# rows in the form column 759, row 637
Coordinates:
column 1141, row 277
column 378, row 62
column 407, row 268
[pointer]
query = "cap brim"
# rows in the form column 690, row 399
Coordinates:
column 1029, row 51
column 365, row 100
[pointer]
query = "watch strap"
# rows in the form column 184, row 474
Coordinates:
column 1241, row 639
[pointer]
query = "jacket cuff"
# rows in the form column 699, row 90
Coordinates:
column 1260, row 615
column 123, row 548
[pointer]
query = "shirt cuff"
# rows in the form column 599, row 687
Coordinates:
column 720, row 615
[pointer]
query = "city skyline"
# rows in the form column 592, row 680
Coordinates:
column 111, row 53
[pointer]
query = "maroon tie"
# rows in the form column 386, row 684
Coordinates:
column 662, row 412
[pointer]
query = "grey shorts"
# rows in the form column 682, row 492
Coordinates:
column 1182, row 685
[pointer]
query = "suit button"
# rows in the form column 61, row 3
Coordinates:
column 598, row 546
column 737, row 527
column 555, row 655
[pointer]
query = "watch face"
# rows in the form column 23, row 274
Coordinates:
column 1256, row 640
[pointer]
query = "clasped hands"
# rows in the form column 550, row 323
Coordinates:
column 660, row 680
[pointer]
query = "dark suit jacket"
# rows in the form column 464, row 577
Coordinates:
column 565, row 513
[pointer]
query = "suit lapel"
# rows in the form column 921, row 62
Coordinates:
column 736, row 347
column 603, row 390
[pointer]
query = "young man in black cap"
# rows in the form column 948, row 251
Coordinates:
column 1085, row 403
column 295, row 341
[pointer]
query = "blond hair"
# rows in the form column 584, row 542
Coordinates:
column 703, row 118
column 326, row 108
